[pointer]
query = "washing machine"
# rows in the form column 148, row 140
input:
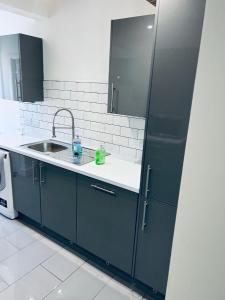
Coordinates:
column 6, row 195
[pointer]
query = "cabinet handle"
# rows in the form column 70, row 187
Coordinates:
column 33, row 172
column 144, row 223
column 42, row 179
column 147, row 182
column 103, row 190
column 18, row 85
column 112, row 98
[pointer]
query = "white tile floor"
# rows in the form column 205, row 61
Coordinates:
column 32, row 267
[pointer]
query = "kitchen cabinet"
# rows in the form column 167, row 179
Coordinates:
column 106, row 219
column 26, row 190
column 45, row 193
column 58, row 200
column 173, row 76
column 154, row 245
column 21, row 68
column 132, row 42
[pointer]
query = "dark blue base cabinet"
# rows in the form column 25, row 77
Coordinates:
column 154, row 245
column 106, row 220
column 96, row 216
column 58, row 200
column 26, row 189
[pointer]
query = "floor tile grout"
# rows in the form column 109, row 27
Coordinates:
column 54, row 249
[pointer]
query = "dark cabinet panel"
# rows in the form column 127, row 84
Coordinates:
column 178, row 37
column 132, row 41
column 154, row 245
column 26, row 190
column 31, row 61
column 21, row 68
column 58, row 200
column 106, row 218
column 174, row 68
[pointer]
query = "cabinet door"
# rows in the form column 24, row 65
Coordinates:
column 31, row 55
column 106, row 217
column 173, row 76
column 132, row 42
column 26, row 189
column 58, row 200
column 154, row 246
column 10, row 75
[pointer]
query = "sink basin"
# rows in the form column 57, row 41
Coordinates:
column 62, row 151
column 47, row 146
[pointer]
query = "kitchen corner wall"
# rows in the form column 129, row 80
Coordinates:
column 121, row 135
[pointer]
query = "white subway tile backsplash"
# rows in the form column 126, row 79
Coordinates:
column 139, row 155
column 64, row 95
column 97, row 126
column 78, row 114
column 91, row 97
column 100, row 108
column 121, row 121
column 121, row 135
column 112, row 148
column 47, row 84
column 133, row 143
column 58, row 85
column 103, row 98
column 138, row 123
column 112, row 129
column 141, row 134
column 120, row 140
column 53, row 93
column 78, row 96
column 83, row 124
column 85, row 106
column 73, row 86
column 129, row 132
column 68, row 86
column 83, row 86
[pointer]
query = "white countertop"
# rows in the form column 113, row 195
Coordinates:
column 115, row 171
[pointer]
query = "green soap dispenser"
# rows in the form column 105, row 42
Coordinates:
column 100, row 155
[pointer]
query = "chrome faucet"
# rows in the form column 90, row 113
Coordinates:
column 63, row 127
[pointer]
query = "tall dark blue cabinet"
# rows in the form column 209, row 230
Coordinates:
column 178, row 34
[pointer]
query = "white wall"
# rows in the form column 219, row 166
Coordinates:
column 76, row 36
column 34, row 8
column 9, row 110
column 9, row 116
column 197, row 269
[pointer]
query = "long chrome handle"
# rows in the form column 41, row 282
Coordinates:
column 147, row 182
column 112, row 98
column 102, row 189
column 18, row 94
column 42, row 179
column 33, row 172
column 144, row 223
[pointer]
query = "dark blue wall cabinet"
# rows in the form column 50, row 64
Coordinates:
column 26, row 190
column 179, row 28
column 106, row 219
column 132, row 39
column 21, row 68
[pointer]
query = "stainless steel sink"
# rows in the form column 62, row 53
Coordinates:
column 47, row 146
column 62, row 151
